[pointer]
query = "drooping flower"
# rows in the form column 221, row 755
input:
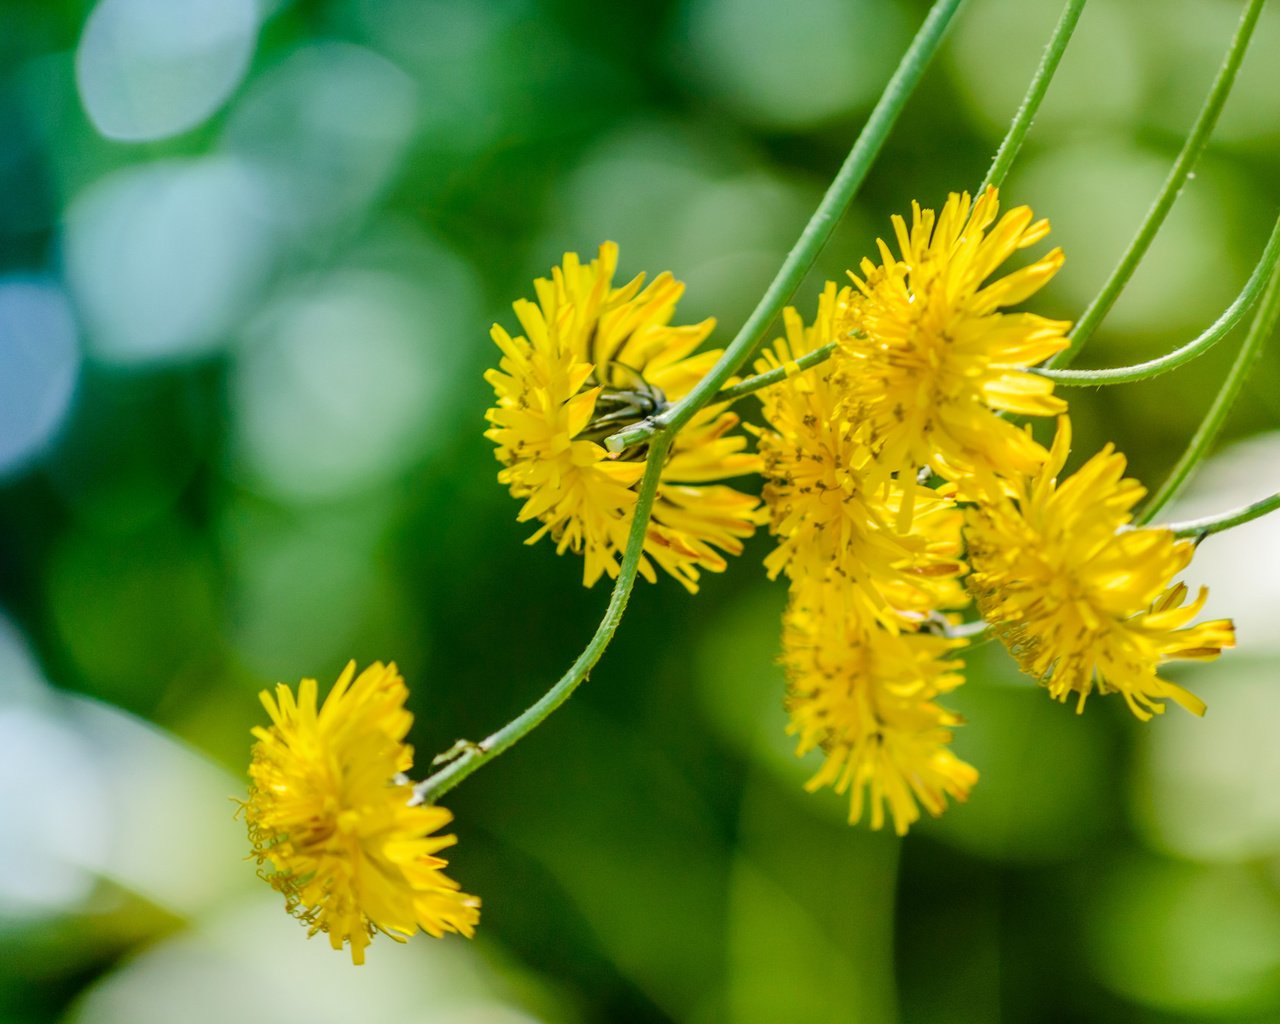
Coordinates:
column 932, row 359
column 832, row 525
column 866, row 697
column 593, row 359
column 1082, row 600
column 330, row 819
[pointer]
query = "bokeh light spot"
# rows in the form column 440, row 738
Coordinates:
column 1210, row 788
column 1186, row 938
column 53, row 814
column 674, row 202
column 307, row 588
column 1096, row 194
column 340, row 383
column 747, row 52
column 148, row 69
column 39, row 364
column 1228, row 562
column 995, row 48
column 327, row 126
column 164, row 258
column 249, row 961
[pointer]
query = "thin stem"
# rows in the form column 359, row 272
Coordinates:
column 1197, row 347
column 1201, row 528
column 776, row 375
column 797, row 263
column 1013, row 139
column 1177, row 177
column 1264, row 322
column 476, row 755
column 815, row 234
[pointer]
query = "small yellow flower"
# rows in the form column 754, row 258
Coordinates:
column 932, row 359
column 865, row 696
column 594, row 359
column 831, row 526
column 1080, row 598
column 329, row 811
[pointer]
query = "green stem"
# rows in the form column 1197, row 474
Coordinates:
column 1264, row 322
column 776, row 375
column 801, row 257
column 479, row 754
column 1214, row 334
column 1177, row 177
column 1201, row 528
column 1013, row 139
column 815, row 234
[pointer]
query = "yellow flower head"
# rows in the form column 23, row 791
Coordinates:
column 865, row 696
column 1081, row 599
column 932, row 358
column 831, row 525
column 329, row 811
column 594, row 359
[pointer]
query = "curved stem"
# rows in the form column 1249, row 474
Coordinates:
column 1264, row 323
column 1013, row 139
column 776, row 375
column 1214, row 334
column 1201, row 528
column 1177, row 177
column 797, row 263
column 476, row 755
column 838, row 196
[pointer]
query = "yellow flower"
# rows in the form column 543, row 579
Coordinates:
column 329, row 810
column 1081, row 599
column 594, row 359
column 832, row 526
column 865, row 696
column 932, row 359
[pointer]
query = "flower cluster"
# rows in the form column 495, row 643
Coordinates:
column 899, row 485
column 928, row 367
column 331, row 819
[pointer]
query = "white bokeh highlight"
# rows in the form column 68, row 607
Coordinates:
column 164, row 258
column 327, row 126
column 149, row 69
column 339, row 383
column 745, row 51
column 53, row 813
column 90, row 792
column 39, row 366
column 1209, row 789
column 1240, row 566
column 251, row 961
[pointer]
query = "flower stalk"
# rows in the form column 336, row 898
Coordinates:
column 1201, row 528
column 1264, row 323
column 658, row 431
column 834, row 203
column 777, row 374
column 1026, row 113
column 476, row 755
column 1194, row 145
column 1220, row 328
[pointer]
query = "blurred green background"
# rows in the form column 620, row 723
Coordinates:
column 249, row 253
